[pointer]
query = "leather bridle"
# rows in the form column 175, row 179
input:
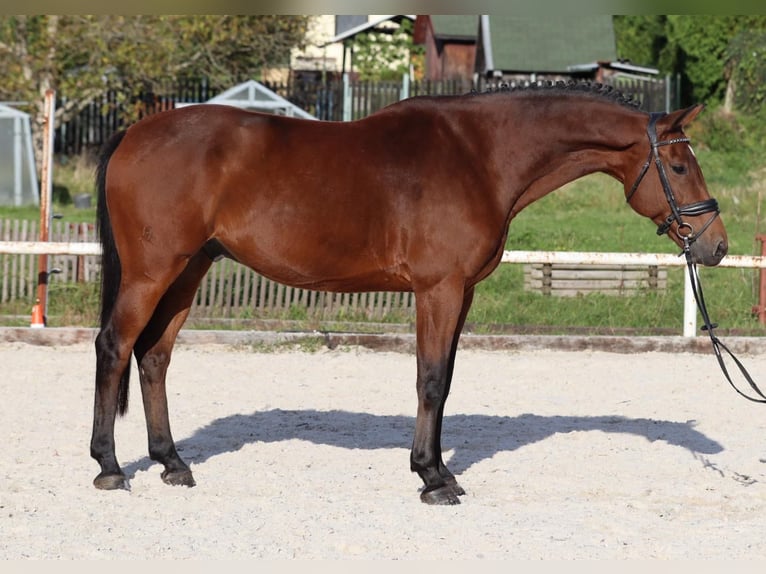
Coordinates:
column 686, row 233
column 684, row 230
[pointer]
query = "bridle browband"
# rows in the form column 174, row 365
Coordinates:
column 686, row 233
column 676, row 211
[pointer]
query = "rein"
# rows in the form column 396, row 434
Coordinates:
column 709, row 326
column 688, row 237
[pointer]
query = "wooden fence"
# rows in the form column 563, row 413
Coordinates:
column 229, row 290
column 103, row 116
column 18, row 273
column 572, row 279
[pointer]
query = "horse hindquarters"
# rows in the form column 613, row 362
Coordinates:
column 137, row 270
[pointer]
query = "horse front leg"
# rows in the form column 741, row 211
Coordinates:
column 441, row 313
column 153, row 351
column 448, row 477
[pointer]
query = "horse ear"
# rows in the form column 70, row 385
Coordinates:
column 678, row 120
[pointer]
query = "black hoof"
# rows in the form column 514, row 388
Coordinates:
column 111, row 482
column 178, row 478
column 443, row 496
column 456, row 488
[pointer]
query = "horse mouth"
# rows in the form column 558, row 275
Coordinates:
column 708, row 256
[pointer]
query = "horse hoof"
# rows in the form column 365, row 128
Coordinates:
column 111, row 482
column 442, row 496
column 178, row 478
column 456, row 488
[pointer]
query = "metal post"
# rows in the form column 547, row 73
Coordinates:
column 760, row 310
column 46, row 193
column 18, row 144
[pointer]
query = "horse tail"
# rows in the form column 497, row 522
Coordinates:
column 110, row 260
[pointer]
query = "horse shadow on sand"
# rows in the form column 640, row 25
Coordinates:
column 471, row 437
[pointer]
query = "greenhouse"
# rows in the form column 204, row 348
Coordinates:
column 18, row 176
column 252, row 95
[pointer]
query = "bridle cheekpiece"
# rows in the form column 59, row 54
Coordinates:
column 684, row 230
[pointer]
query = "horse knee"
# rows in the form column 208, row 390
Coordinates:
column 434, row 392
column 432, row 389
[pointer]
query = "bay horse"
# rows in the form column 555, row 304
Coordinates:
column 415, row 197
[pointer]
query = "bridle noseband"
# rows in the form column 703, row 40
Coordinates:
column 684, row 230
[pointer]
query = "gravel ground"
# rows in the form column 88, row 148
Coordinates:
column 298, row 454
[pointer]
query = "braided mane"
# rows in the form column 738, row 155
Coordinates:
column 596, row 89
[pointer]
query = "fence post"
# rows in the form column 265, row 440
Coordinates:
column 760, row 309
column 46, row 191
column 405, row 87
column 690, row 306
column 668, row 106
column 346, row 99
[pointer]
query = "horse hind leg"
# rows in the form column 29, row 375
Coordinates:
column 133, row 307
column 153, row 350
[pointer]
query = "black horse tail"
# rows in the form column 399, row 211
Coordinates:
column 110, row 259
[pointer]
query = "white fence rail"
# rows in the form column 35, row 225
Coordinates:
column 664, row 259
column 50, row 248
column 583, row 258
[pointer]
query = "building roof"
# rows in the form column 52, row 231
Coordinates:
column 545, row 44
column 455, row 27
column 369, row 26
column 252, row 95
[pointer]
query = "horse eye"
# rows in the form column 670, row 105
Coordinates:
column 679, row 169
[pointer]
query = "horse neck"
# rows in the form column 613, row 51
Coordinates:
column 544, row 144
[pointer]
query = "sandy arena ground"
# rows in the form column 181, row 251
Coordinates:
column 301, row 454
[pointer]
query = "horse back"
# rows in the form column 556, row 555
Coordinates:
column 318, row 204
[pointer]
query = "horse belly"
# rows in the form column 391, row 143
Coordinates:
column 312, row 257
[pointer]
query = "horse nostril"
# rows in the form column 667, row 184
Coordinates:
column 722, row 249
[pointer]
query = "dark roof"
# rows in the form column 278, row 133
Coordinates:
column 455, row 27
column 545, row 44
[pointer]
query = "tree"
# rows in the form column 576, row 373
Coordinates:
column 746, row 55
column 82, row 57
column 641, row 39
column 717, row 57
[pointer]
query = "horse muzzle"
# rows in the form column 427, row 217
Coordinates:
column 709, row 250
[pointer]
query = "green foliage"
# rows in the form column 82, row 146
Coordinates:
column 640, row 39
column 747, row 54
column 701, row 42
column 708, row 51
column 729, row 146
column 84, row 56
